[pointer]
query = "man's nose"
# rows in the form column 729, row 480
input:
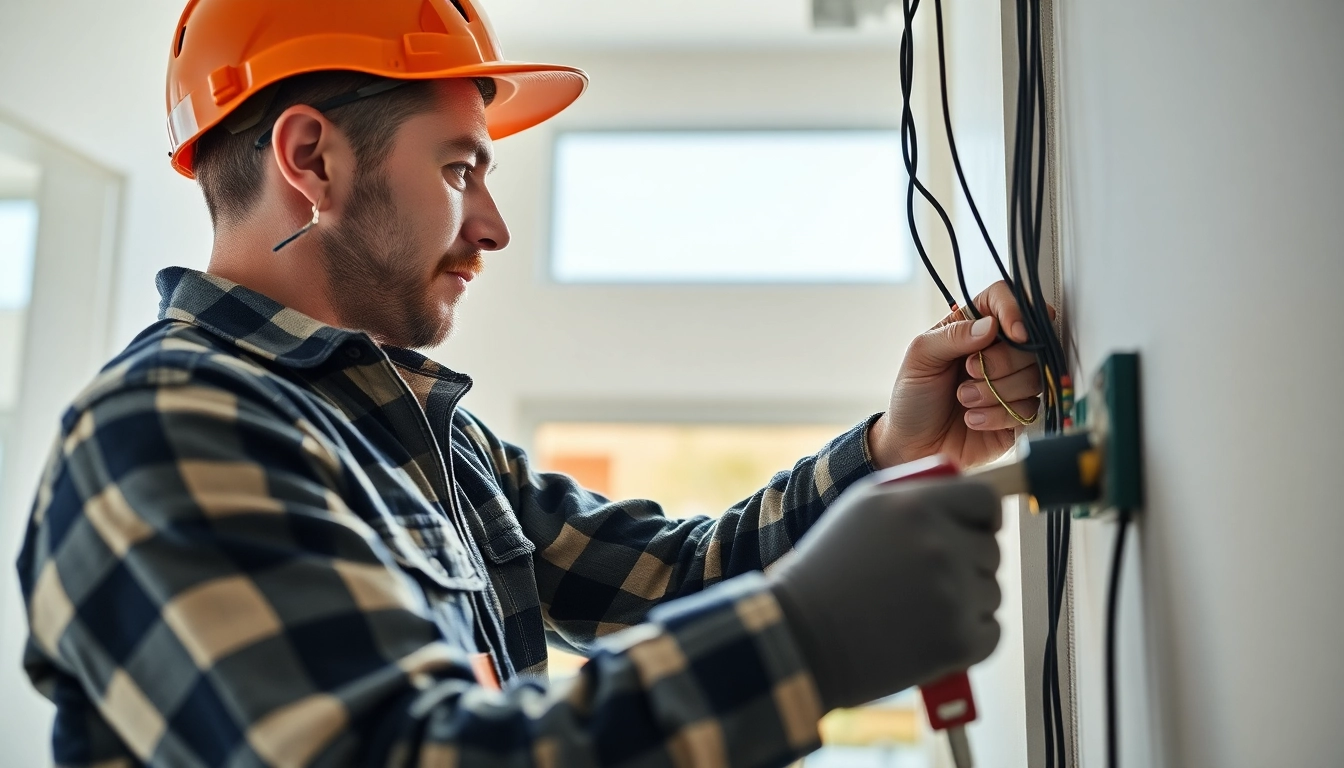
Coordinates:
column 486, row 228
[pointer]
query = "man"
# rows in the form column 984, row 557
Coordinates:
column 269, row 536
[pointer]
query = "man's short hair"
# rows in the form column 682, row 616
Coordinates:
column 231, row 170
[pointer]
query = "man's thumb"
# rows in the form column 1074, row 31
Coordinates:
column 940, row 347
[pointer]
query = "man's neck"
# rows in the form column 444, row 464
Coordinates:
column 293, row 277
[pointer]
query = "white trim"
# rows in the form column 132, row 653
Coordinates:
column 182, row 123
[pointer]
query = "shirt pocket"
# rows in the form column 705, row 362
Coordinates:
column 423, row 541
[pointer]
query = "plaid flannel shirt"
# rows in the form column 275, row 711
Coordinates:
column 262, row 540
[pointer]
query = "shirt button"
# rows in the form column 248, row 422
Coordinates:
column 354, row 352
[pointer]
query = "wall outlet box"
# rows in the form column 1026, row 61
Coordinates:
column 1110, row 411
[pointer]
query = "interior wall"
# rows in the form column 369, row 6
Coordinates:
column 1204, row 174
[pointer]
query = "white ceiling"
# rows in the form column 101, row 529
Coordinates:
column 675, row 24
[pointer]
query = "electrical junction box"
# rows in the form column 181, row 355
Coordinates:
column 1110, row 413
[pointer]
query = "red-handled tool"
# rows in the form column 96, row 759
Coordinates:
column 1056, row 471
column 948, row 701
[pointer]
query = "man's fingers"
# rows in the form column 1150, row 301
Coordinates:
column 991, row 597
column 984, row 554
column 998, row 300
column 1023, row 385
column 935, row 350
column 995, row 417
column 1000, row 360
column 985, row 639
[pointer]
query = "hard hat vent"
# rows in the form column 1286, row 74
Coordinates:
column 181, row 38
column 458, row 5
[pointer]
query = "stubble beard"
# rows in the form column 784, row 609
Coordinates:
column 375, row 279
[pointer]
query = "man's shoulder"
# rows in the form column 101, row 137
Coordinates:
column 468, row 428
column 172, row 353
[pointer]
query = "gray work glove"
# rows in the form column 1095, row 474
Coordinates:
column 894, row 587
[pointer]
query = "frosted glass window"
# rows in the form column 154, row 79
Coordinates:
column 729, row 207
column 18, row 241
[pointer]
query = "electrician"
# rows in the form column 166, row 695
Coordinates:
column 268, row 534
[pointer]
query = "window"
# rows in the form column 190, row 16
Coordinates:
column 729, row 207
column 702, row 469
column 18, row 240
column 18, row 243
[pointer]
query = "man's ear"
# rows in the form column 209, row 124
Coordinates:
column 310, row 153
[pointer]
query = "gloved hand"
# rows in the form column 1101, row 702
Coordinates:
column 894, row 586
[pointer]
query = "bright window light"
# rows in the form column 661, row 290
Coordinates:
column 18, row 241
column 729, row 207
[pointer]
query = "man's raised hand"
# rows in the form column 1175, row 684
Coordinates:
column 941, row 403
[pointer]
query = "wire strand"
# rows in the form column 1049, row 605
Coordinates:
column 1022, row 273
column 1112, row 614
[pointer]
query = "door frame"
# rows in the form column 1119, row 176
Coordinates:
column 66, row 337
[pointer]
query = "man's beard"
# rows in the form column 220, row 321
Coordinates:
column 375, row 279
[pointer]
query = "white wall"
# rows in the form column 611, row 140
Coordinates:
column 1204, row 214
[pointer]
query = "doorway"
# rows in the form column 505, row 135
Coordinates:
column 59, row 215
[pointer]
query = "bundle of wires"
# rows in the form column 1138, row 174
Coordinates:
column 1023, row 276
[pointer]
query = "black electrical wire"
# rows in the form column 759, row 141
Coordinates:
column 1027, row 206
column 1059, row 566
column 1022, row 275
column 910, row 154
column 1025, row 222
column 1112, row 611
column 909, row 147
column 1049, row 685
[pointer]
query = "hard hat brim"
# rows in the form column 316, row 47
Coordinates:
column 527, row 94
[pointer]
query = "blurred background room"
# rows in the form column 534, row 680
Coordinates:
column 656, row 328
column 683, row 330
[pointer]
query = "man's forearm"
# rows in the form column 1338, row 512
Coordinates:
column 714, row 679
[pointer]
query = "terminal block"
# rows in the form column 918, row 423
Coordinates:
column 1109, row 414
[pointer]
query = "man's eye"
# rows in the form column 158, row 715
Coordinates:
column 458, row 170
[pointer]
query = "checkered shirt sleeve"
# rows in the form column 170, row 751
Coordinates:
column 192, row 572
column 601, row 566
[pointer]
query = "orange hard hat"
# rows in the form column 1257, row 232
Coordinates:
column 224, row 51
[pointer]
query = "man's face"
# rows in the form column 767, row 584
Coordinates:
column 411, row 235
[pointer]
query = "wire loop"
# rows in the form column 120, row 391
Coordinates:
column 1016, row 416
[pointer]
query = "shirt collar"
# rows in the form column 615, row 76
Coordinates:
column 250, row 320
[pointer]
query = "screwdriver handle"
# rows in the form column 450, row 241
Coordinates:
column 923, row 469
column 949, row 701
